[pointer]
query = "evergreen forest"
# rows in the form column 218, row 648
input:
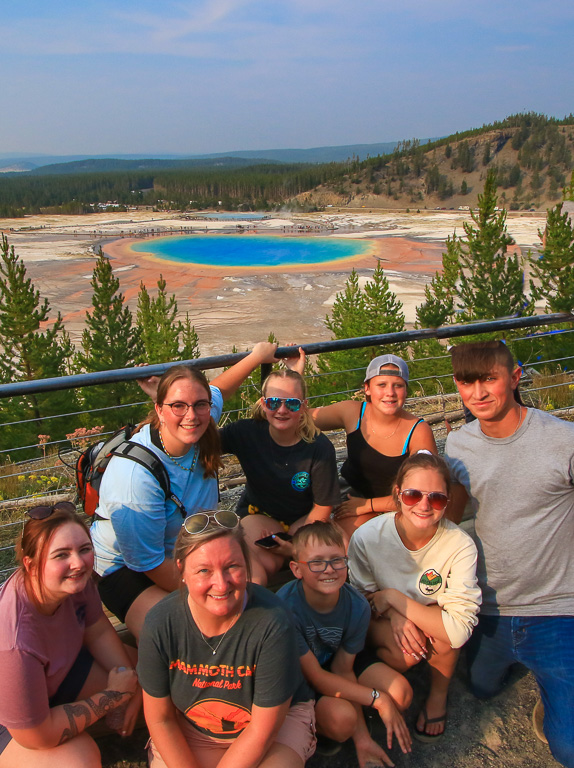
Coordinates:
column 531, row 154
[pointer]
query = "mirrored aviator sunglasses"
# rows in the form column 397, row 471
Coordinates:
column 43, row 511
column 437, row 500
column 291, row 403
column 199, row 522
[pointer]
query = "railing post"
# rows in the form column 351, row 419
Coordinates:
column 265, row 370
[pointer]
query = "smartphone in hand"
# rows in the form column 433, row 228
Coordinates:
column 269, row 542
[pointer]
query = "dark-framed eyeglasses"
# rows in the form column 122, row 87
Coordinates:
column 291, row 403
column 412, row 496
column 41, row 512
column 200, row 407
column 199, row 522
column 318, row 566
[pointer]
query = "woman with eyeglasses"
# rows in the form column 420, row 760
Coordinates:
column 290, row 470
column 218, row 662
column 62, row 665
column 418, row 571
column 135, row 528
column 381, row 434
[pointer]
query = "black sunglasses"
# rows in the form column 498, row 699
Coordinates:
column 44, row 511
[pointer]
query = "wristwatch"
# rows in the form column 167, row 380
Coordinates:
column 375, row 694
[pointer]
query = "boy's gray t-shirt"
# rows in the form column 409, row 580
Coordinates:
column 324, row 633
column 522, row 493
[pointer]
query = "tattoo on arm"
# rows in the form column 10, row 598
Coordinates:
column 89, row 711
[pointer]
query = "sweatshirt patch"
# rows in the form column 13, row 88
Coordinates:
column 430, row 582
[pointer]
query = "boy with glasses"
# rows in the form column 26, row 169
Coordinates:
column 516, row 465
column 332, row 619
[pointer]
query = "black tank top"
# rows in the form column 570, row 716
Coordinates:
column 367, row 471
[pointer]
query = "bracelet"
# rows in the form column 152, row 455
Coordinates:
column 375, row 694
column 372, row 508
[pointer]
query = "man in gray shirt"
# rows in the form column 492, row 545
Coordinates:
column 516, row 465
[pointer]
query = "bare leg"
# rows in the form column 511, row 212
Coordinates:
column 350, row 524
column 79, row 752
column 336, row 718
column 140, row 606
column 264, row 562
column 281, row 756
column 442, row 661
column 385, row 678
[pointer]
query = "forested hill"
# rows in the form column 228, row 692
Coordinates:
column 532, row 154
column 113, row 165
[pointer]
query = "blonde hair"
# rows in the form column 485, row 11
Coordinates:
column 306, row 428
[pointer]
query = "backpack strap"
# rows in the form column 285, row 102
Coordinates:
column 147, row 458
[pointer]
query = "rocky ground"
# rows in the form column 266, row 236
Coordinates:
column 493, row 734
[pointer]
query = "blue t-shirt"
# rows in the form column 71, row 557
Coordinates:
column 140, row 526
column 324, row 633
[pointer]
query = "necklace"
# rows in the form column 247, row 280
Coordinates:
column 386, row 437
column 169, row 456
column 515, row 428
column 214, row 650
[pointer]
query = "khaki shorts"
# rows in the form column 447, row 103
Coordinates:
column 297, row 733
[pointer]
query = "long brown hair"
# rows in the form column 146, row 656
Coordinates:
column 33, row 544
column 209, row 443
column 306, row 428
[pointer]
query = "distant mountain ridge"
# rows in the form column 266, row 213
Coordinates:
column 11, row 163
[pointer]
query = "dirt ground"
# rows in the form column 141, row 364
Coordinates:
column 493, row 734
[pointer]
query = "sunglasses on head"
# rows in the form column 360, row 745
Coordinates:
column 291, row 403
column 199, row 522
column 44, row 511
column 412, row 496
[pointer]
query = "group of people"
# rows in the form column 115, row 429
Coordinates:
column 384, row 578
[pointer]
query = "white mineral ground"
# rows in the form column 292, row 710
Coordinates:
column 240, row 306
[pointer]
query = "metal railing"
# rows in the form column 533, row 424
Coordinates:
column 432, row 396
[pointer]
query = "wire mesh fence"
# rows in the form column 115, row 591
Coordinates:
column 42, row 469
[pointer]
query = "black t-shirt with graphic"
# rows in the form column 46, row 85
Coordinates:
column 256, row 663
column 282, row 481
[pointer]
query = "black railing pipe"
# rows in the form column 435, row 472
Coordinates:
column 314, row 348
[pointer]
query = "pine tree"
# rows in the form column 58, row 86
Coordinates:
column 28, row 353
column 440, row 306
column 190, row 340
column 553, row 272
column 109, row 341
column 359, row 312
column 159, row 329
column 491, row 281
column 479, row 278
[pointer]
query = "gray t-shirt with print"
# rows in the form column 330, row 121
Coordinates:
column 522, row 493
column 256, row 662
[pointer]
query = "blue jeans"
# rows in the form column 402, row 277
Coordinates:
column 543, row 644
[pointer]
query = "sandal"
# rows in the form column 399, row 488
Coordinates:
column 538, row 721
column 422, row 735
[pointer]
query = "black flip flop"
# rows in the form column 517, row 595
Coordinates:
column 425, row 737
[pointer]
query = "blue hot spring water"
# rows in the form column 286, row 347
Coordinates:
column 251, row 250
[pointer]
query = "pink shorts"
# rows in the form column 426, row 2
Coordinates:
column 297, row 733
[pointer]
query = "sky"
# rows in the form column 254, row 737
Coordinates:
column 199, row 76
